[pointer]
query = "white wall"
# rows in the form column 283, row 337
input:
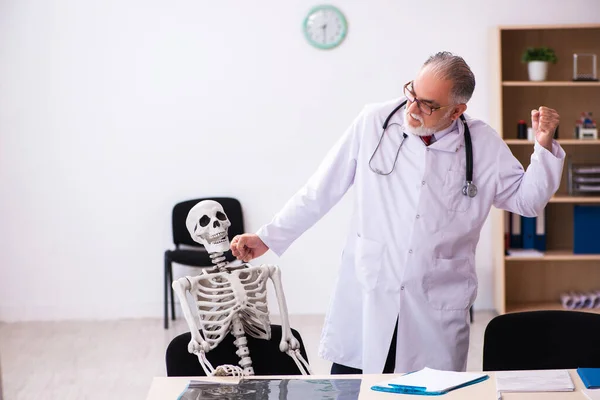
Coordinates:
column 111, row 111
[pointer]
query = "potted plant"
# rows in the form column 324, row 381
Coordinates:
column 537, row 59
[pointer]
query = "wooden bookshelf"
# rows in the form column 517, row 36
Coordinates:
column 523, row 282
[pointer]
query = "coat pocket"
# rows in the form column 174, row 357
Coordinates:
column 450, row 284
column 453, row 191
column 368, row 260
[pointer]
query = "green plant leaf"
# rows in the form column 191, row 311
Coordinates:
column 539, row 54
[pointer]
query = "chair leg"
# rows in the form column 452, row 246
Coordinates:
column 471, row 314
column 171, row 291
column 166, row 284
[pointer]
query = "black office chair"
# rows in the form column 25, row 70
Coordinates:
column 265, row 355
column 195, row 255
column 542, row 340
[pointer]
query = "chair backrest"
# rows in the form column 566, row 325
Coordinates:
column 542, row 340
column 231, row 206
column 265, row 355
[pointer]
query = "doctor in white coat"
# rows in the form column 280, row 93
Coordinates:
column 407, row 275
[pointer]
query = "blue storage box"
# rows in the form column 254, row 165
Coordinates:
column 586, row 229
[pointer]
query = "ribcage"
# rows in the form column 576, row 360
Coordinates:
column 255, row 313
column 219, row 296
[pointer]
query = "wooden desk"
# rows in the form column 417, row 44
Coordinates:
column 170, row 388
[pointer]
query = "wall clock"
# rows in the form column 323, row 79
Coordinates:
column 325, row 27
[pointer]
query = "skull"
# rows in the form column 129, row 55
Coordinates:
column 207, row 223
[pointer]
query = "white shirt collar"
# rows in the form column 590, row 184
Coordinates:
column 439, row 135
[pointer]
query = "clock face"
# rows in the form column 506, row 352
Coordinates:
column 325, row 27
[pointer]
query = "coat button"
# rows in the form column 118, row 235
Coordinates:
column 410, row 251
column 401, row 287
column 422, row 183
column 418, row 216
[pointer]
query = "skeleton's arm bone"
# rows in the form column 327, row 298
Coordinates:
column 286, row 332
column 289, row 344
column 181, row 286
column 301, row 363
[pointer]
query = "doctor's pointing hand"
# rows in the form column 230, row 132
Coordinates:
column 425, row 176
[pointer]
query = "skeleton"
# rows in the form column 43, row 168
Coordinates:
column 230, row 298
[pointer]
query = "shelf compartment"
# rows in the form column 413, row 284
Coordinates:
column 543, row 281
column 564, row 42
column 569, row 102
column 577, row 154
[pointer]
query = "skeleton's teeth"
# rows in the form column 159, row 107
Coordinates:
column 217, row 238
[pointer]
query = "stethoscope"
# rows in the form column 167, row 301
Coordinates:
column 469, row 189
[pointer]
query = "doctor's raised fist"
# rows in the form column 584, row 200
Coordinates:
column 248, row 246
column 544, row 122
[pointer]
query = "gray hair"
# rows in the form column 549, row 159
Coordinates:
column 447, row 66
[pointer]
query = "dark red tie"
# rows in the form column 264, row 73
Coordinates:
column 427, row 139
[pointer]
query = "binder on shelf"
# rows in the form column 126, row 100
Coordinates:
column 586, row 220
column 540, row 232
column 516, row 240
column 528, row 225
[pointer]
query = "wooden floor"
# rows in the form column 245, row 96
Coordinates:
column 117, row 359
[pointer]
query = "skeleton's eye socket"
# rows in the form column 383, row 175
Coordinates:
column 221, row 216
column 204, row 220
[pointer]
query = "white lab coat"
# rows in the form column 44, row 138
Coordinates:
column 410, row 253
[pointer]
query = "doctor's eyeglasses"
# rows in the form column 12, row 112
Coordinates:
column 424, row 107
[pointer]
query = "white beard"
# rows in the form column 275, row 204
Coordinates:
column 421, row 130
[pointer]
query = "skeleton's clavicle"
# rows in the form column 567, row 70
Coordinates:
column 226, row 269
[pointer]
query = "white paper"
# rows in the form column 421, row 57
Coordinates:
column 587, row 170
column 588, row 188
column 534, row 381
column 525, row 253
column 434, row 380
